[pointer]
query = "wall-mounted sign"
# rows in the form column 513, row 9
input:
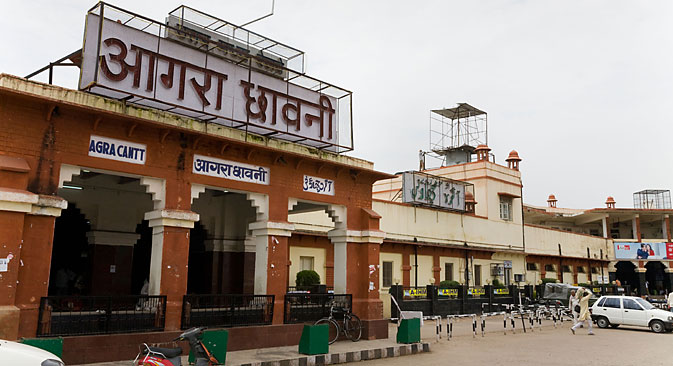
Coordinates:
column 120, row 61
column 644, row 251
column 434, row 191
column 476, row 291
column 500, row 291
column 318, row 185
column 109, row 148
column 508, row 264
column 416, row 292
column 450, row 292
column 206, row 165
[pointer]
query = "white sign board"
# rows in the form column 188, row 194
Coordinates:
column 421, row 188
column 201, row 85
column 206, row 165
column 113, row 149
column 318, row 185
column 4, row 262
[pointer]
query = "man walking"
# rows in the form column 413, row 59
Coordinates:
column 585, row 316
column 573, row 304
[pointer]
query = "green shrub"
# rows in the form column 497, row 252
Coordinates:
column 449, row 284
column 549, row 280
column 307, row 278
column 498, row 284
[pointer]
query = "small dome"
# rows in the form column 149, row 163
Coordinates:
column 551, row 198
column 513, row 156
column 482, row 147
column 610, row 200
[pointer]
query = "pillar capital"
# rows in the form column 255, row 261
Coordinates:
column 17, row 200
column 271, row 228
column 356, row 236
column 48, row 206
column 169, row 217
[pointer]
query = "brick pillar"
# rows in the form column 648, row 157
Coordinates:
column 406, row 269
column 38, row 235
column 436, row 269
column 11, row 232
column 170, row 256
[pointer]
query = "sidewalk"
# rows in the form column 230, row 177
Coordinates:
column 347, row 351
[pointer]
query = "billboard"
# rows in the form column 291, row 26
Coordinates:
column 644, row 251
column 425, row 189
column 146, row 67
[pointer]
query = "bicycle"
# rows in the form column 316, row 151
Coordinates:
column 351, row 325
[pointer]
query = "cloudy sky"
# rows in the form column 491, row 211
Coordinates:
column 583, row 90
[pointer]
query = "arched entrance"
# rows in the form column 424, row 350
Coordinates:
column 655, row 278
column 70, row 265
column 626, row 274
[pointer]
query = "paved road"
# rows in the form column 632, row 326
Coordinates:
column 622, row 346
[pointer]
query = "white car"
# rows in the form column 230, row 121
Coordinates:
column 613, row 311
column 19, row 354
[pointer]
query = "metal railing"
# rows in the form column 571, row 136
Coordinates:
column 86, row 315
column 309, row 307
column 226, row 310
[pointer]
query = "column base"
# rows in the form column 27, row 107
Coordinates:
column 9, row 322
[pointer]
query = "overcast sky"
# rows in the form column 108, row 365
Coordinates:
column 583, row 90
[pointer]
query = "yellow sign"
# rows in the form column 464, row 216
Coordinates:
column 416, row 292
column 501, row 291
column 476, row 291
column 451, row 292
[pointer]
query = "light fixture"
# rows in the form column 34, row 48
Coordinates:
column 72, row 187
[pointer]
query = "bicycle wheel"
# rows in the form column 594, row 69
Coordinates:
column 353, row 327
column 333, row 333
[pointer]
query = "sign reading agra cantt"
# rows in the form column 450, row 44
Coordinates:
column 120, row 61
column 113, row 149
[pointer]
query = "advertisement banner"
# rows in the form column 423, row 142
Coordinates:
column 426, row 189
column 416, row 292
column 644, row 251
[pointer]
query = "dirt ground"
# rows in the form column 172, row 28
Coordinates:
column 550, row 346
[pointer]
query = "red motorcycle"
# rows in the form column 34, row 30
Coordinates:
column 158, row 356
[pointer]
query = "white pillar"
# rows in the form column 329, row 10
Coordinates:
column 339, row 238
column 634, row 227
column 606, row 233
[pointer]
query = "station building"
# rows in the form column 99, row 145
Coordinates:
column 165, row 186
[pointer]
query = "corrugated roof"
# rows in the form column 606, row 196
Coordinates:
column 463, row 110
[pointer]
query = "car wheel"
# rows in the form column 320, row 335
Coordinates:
column 614, row 325
column 602, row 322
column 657, row 326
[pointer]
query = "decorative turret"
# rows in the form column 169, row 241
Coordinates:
column 610, row 202
column 482, row 152
column 551, row 201
column 513, row 160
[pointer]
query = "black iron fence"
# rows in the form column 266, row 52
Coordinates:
column 226, row 310
column 309, row 307
column 432, row 300
column 86, row 315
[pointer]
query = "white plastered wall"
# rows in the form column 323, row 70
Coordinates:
column 384, row 293
column 319, row 258
column 424, row 270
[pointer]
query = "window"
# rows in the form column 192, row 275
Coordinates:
column 580, row 269
column 387, row 274
column 531, row 266
column 549, row 268
column 506, row 208
column 448, row 271
column 594, row 270
column 306, row 263
column 612, row 302
column 566, row 269
column 601, row 302
column 477, row 275
column 631, row 305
